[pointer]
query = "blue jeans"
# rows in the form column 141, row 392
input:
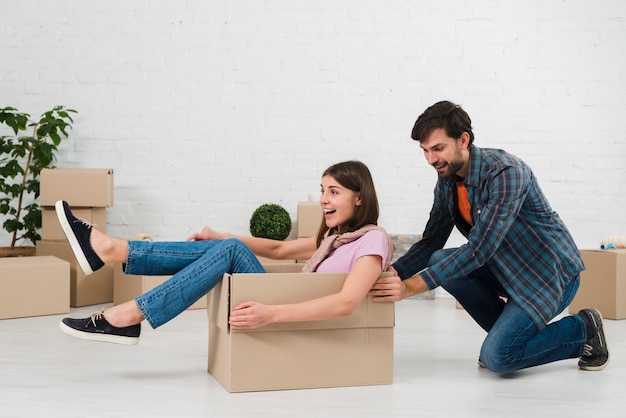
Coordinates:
column 196, row 266
column 513, row 341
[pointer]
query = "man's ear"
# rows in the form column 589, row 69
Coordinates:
column 464, row 140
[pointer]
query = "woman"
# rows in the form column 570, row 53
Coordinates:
column 348, row 241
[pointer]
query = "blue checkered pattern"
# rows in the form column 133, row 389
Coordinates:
column 515, row 232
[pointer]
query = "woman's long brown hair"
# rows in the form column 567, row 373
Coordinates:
column 355, row 176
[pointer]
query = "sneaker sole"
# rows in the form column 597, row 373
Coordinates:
column 595, row 368
column 71, row 238
column 608, row 357
column 107, row 338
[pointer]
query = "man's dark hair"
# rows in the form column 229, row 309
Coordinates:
column 446, row 115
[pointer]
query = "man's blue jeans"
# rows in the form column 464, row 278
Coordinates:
column 196, row 266
column 513, row 341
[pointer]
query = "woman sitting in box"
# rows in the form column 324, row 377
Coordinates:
column 348, row 241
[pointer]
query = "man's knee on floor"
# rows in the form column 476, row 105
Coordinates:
column 498, row 361
column 497, row 365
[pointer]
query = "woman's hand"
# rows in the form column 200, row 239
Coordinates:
column 250, row 315
column 207, row 234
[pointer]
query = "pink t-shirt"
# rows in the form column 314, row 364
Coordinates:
column 341, row 260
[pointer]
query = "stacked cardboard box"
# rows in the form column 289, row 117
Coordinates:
column 89, row 192
column 603, row 283
column 310, row 217
column 32, row 286
column 348, row 351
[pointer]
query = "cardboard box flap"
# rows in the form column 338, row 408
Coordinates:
column 218, row 306
column 608, row 250
column 284, row 288
column 46, row 260
column 282, row 267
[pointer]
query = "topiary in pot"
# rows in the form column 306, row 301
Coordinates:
column 21, row 160
column 270, row 221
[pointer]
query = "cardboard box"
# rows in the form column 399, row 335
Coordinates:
column 51, row 228
column 264, row 260
column 84, row 290
column 33, row 286
column 127, row 286
column 79, row 187
column 310, row 217
column 603, row 283
column 348, row 351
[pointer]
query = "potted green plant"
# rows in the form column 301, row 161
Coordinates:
column 270, row 221
column 21, row 160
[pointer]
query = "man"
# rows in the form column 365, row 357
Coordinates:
column 520, row 266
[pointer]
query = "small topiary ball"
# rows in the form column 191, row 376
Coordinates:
column 270, row 221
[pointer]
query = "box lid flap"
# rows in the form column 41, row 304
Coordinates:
column 283, row 288
column 607, row 250
column 73, row 171
column 218, row 307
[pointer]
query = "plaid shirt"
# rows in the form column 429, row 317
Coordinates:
column 515, row 232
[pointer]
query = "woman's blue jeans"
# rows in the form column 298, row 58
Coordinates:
column 196, row 266
column 513, row 341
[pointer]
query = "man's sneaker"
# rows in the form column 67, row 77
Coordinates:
column 596, row 353
column 78, row 232
column 97, row 328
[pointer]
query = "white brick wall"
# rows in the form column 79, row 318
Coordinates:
column 207, row 109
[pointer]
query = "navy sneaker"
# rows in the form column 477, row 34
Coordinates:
column 97, row 328
column 596, row 352
column 78, row 233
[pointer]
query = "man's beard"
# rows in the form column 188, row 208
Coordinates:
column 453, row 166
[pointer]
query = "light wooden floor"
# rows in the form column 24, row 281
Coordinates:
column 45, row 373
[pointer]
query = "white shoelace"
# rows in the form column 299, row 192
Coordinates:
column 96, row 316
column 86, row 223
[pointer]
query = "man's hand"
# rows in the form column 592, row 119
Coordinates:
column 394, row 289
column 388, row 289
